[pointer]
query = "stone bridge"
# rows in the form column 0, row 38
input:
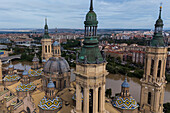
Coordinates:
column 7, row 59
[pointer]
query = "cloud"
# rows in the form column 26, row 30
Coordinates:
column 71, row 13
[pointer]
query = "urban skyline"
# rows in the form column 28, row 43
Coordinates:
column 128, row 14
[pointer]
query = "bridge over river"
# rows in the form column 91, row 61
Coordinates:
column 7, row 59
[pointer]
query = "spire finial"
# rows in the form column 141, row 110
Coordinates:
column 45, row 20
column 50, row 76
column 91, row 5
column 160, row 10
column 46, row 27
column 126, row 77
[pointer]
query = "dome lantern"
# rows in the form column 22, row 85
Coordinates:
column 158, row 39
column 90, row 46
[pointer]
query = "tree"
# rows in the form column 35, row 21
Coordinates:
column 166, row 108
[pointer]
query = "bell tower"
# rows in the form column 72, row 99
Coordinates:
column 56, row 49
column 90, row 70
column 153, row 81
column 46, row 43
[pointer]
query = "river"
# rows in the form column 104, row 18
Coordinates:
column 113, row 81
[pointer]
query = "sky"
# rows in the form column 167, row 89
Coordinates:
column 112, row 14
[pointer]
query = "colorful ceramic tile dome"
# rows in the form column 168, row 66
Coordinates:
column 10, row 78
column 25, row 87
column 48, row 104
column 32, row 73
column 125, row 103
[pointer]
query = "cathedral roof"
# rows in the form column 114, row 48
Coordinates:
column 10, row 78
column 25, row 72
column 10, row 66
column 44, row 60
column 17, row 105
column 56, row 43
column 50, row 84
column 33, row 73
column 25, row 87
column 125, row 84
column 56, row 65
column 125, row 103
column 48, row 104
column 35, row 59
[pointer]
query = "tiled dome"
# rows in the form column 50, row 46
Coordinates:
column 125, row 103
column 50, row 84
column 10, row 78
column 32, row 73
column 48, row 104
column 56, row 65
column 125, row 84
column 25, row 87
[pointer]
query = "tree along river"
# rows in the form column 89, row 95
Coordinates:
column 113, row 81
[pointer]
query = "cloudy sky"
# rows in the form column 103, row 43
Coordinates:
column 71, row 13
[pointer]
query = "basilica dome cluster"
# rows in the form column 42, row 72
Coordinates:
column 46, row 87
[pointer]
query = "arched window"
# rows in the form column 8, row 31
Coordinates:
column 149, row 98
column 46, row 49
column 49, row 49
column 28, row 110
column 64, row 83
column 159, row 68
column 152, row 67
column 17, row 100
column 54, row 83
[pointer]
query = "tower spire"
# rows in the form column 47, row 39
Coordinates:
column 45, row 20
column 91, row 5
column 160, row 11
column 158, row 39
column 46, row 27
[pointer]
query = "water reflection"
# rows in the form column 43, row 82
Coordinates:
column 114, row 82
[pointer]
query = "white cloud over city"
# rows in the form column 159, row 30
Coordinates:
column 71, row 13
